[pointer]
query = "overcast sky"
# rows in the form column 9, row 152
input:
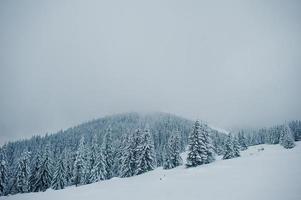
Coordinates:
column 233, row 64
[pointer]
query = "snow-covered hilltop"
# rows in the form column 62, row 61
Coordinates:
column 263, row 172
column 123, row 146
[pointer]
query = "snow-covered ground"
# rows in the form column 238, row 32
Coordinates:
column 272, row 173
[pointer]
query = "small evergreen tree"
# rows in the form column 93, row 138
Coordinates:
column 98, row 170
column 286, row 137
column 231, row 148
column 242, row 141
column 127, row 167
column 59, row 177
column 34, row 172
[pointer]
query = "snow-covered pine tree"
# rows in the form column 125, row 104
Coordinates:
column 286, row 137
column 206, row 147
column 127, row 167
column 108, row 154
column 146, row 159
column 97, row 163
column 59, row 176
column 236, row 147
column 3, row 172
column 242, row 141
column 194, row 158
column 172, row 156
column 44, row 175
column 23, row 170
column 79, row 164
column 231, row 148
column 69, row 159
column 34, row 172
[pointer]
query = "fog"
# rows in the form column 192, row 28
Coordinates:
column 234, row 64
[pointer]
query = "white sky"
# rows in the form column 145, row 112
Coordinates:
column 231, row 63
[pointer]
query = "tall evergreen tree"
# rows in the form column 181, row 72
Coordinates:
column 108, row 154
column 3, row 172
column 59, row 177
column 172, row 156
column 23, row 170
column 79, row 164
column 200, row 148
column 146, row 159
column 286, row 137
column 34, row 172
column 97, row 163
column 128, row 164
column 44, row 175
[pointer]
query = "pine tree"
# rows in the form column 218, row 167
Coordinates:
column 172, row 156
column 242, row 141
column 231, row 148
column 34, row 172
column 108, row 154
column 200, row 148
column 23, row 170
column 127, row 167
column 146, row 159
column 236, row 147
column 44, row 175
column 194, row 158
column 3, row 172
column 286, row 137
column 59, row 177
column 79, row 165
column 97, row 163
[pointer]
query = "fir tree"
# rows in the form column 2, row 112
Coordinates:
column 127, row 168
column 98, row 170
column 172, row 156
column 23, row 170
column 44, row 175
column 108, row 154
column 200, row 148
column 79, row 165
column 286, row 137
column 146, row 160
column 59, row 177
column 242, row 141
column 34, row 172
column 231, row 148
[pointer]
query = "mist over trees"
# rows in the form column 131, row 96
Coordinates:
column 122, row 146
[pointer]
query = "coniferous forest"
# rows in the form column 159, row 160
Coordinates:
column 122, row 146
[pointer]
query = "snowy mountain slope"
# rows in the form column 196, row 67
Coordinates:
column 272, row 173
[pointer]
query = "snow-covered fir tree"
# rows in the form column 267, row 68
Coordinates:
column 97, row 163
column 145, row 160
column 108, row 154
column 231, row 148
column 200, row 148
column 242, row 141
column 34, row 172
column 128, row 164
column 79, row 164
column 172, row 156
column 286, row 137
column 44, row 174
column 3, row 172
column 59, row 176
column 23, row 170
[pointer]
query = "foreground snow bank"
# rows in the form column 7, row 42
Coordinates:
column 263, row 172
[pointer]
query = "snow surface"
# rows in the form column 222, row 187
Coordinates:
column 272, row 173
